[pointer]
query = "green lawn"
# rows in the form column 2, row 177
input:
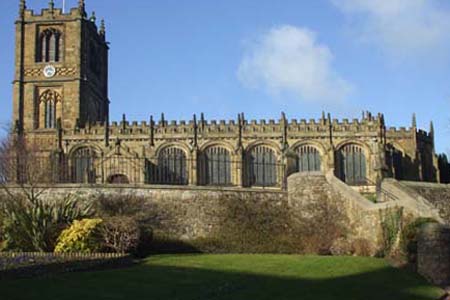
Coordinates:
column 254, row 277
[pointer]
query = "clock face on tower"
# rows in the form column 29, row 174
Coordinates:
column 49, row 71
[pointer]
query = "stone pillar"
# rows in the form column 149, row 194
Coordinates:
column 433, row 253
column 237, row 171
column 290, row 163
column 193, row 169
column 330, row 163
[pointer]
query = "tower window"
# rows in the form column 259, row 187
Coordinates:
column 49, row 100
column 49, row 46
column 50, row 112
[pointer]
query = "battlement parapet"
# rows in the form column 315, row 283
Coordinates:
column 55, row 14
column 400, row 130
column 424, row 134
column 263, row 126
column 407, row 131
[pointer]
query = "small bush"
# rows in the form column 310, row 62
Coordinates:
column 127, row 226
column 362, row 247
column 81, row 236
column 121, row 234
column 145, row 241
column 372, row 197
column 341, row 247
column 323, row 223
column 408, row 240
column 391, row 224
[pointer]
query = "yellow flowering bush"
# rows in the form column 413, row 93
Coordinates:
column 81, row 236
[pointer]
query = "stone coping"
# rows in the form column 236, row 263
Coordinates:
column 158, row 187
column 426, row 184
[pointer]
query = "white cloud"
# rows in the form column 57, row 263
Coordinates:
column 401, row 28
column 289, row 59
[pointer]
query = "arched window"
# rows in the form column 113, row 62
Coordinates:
column 83, row 165
column 49, row 46
column 308, row 159
column 351, row 164
column 261, row 167
column 49, row 100
column 214, row 167
column 171, row 168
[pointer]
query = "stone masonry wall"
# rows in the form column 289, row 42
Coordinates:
column 186, row 213
column 433, row 253
column 436, row 194
column 360, row 215
column 266, row 216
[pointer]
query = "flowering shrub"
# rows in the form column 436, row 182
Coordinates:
column 81, row 236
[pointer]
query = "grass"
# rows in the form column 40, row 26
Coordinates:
column 372, row 197
column 234, row 277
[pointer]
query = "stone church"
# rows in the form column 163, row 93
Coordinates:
column 61, row 103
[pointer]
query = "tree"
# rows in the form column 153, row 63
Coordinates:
column 24, row 166
column 30, row 219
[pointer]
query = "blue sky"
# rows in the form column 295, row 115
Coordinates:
column 262, row 57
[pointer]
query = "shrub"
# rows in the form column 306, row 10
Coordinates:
column 130, row 213
column 341, row 247
column 241, row 225
column 250, row 226
column 321, row 224
column 34, row 224
column 391, row 224
column 121, row 234
column 362, row 247
column 408, row 241
column 2, row 235
column 145, row 241
column 81, row 236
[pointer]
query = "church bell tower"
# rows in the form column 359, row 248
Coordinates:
column 61, row 70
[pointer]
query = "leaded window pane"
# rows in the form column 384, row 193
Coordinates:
column 261, row 167
column 308, row 159
column 83, row 165
column 50, row 114
column 48, row 48
column 215, row 167
column 171, row 168
column 351, row 164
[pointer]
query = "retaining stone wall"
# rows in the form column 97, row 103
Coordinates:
column 185, row 212
column 190, row 213
column 433, row 253
column 436, row 194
